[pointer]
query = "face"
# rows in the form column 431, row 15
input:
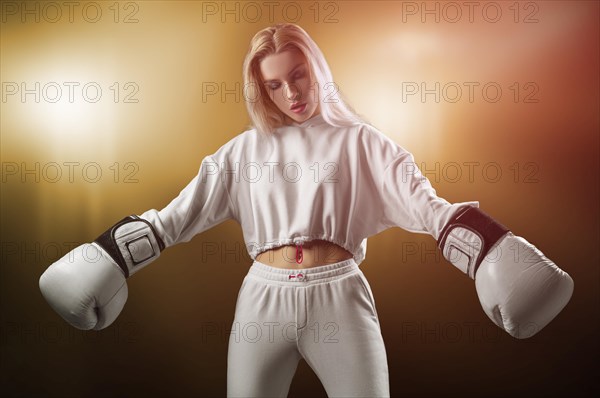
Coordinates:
column 286, row 77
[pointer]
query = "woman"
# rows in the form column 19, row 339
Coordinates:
column 308, row 182
column 329, row 319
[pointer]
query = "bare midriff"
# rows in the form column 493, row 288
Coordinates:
column 314, row 253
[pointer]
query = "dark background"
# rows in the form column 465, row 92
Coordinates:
column 171, row 338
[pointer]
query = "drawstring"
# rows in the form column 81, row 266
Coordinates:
column 299, row 241
column 299, row 257
column 299, row 277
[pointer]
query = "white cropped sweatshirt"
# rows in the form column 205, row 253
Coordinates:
column 306, row 181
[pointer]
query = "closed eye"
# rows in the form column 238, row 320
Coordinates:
column 274, row 86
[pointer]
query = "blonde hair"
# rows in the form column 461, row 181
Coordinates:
column 264, row 114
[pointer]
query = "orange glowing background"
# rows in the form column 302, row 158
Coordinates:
column 75, row 161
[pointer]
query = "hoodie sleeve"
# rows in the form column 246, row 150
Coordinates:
column 200, row 205
column 409, row 200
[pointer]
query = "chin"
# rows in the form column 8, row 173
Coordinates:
column 298, row 118
column 308, row 114
column 301, row 118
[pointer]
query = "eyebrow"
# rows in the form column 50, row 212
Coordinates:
column 292, row 71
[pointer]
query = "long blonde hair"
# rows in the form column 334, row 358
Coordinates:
column 264, row 114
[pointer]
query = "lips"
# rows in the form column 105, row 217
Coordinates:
column 297, row 105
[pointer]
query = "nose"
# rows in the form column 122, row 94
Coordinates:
column 292, row 92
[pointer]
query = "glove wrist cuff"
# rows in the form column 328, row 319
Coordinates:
column 468, row 237
column 132, row 243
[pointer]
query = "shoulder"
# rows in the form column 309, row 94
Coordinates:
column 376, row 142
column 235, row 147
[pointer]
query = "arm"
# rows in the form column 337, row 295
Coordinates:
column 87, row 286
column 520, row 289
column 410, row 201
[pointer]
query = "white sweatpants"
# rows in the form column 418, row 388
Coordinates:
column 324, row 314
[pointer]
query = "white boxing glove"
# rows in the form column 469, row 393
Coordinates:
column 519, row 288
column 87, row 287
